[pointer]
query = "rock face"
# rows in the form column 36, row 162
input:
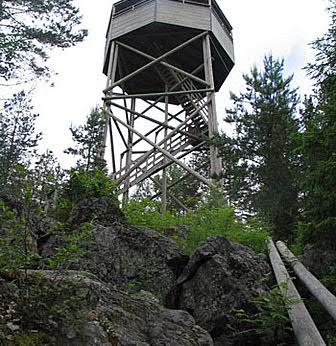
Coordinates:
column 127, row 257
column 221, row 277
column 103, row 211
column 107, row 317
column 135, row 259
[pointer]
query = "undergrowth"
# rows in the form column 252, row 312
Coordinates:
column 192, row 228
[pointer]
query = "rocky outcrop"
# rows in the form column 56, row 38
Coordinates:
column 127, row 257
column 135, row 259
column 220, row 278
column 103, row 211
column 103, row 316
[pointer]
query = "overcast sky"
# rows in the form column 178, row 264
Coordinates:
column 283, row 28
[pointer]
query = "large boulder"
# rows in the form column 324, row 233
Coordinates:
column 103, row 211
column 130, row 258
column 102, row 316
column 221, row 278
column 135, row 259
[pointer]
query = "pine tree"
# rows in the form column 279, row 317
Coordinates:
column 88, row 139
column 28, row 28
column 18, row 140
column 259, row 164
column 319, row 143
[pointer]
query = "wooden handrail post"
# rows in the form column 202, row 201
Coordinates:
column 304, row 327
column 317, row 289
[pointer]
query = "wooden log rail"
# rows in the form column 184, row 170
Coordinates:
column 304, row 327
column 316, row 288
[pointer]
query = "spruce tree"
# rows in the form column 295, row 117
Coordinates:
column 319, row 143
column 18, row 140
column 88, row 139
column 259, row 164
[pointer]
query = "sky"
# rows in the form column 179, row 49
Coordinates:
column 284, row 28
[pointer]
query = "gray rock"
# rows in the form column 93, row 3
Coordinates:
column 111, row 317
column 103, row 211
column 221, row 277
column 130, row 258
column 135, row 259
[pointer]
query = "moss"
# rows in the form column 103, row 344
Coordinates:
column 30, row 339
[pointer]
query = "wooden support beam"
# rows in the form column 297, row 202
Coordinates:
column 129, row 151
column 158, row 168
column 150, row 57
column 111, row 73
column 149, row 95
column 143, row 158
column 155, row 61
column 162, row 124
column 163, row 151
column 174, row 183
column 164, row 171
column 171, row 116
column 215, row 162
column 114, row 168
column 303, row 325
column 316, row 288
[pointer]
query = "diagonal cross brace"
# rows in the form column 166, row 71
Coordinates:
column 155, row 61
column 163, row 151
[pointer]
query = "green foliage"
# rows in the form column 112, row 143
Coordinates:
column 318, row 145
column 82, row 185
column 272, row 319
column 76, row 245
column 18, row 140
column 17, row 241
column 260, row 166
column 89, row 142
column 49, row 305
column 200, row 225
column 29, row 29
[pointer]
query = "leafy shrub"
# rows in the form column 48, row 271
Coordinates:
column 17, row 242
column 83, row 185
column 271, row 320
column 202, row 224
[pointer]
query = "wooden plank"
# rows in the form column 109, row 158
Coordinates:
column 132, row 20
column 223, row 38
column 303, row 325
column 317, row 289
column 183, row 14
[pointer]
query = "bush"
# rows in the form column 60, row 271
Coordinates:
column 202, row 224
column 83, row 185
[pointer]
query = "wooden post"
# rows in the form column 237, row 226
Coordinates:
column 164, row 171
column 316, row 288
column 164, row 152
column 112, row 68
column 129, row 151
column 215, row 162
column 303, row 325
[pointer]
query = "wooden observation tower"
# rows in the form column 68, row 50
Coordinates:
column 164, row 62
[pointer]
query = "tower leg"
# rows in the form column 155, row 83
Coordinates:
column 164, row 171
column 112, row 69
column 215, row 162
column 129, row 150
